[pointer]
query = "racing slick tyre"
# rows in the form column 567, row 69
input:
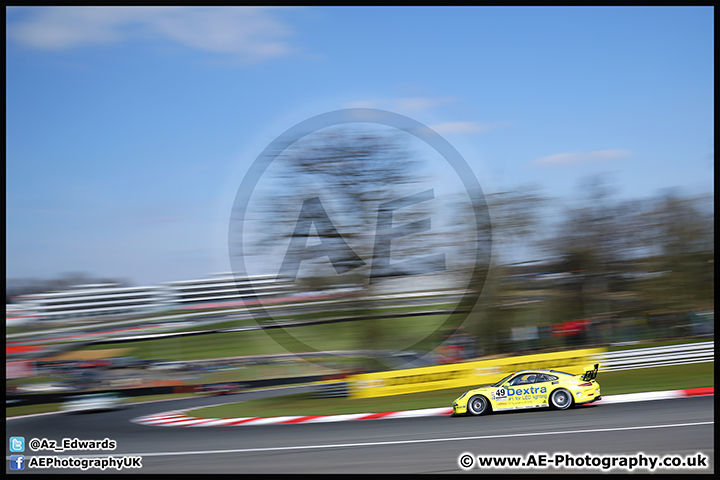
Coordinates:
column 560, row 399
column 477, row 405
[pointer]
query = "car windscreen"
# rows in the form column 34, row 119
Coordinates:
column 502, row 381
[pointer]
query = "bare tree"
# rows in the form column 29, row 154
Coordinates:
column 27, row 286
column 355, row 206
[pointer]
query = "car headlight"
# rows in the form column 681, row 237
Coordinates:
column 461, row 396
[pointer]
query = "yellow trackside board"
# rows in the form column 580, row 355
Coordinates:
column 467, row 374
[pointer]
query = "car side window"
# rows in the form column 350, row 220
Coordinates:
column 515, row 381
column 524, row 379
column 547, row 378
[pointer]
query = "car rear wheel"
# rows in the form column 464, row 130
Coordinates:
column 560, row 399
column 477, row 405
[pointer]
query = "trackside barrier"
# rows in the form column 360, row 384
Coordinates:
column 332, row 389
column 440, row 377
column 489, row 371
column 656, row 356
column 14, row 400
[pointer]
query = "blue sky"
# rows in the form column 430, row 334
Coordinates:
column 129, row 130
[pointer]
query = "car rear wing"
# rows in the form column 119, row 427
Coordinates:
column 590, row 373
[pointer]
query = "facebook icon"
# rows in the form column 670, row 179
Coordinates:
column 17, row 462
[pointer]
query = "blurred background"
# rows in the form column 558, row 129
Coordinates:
column 614, row 272
column 129, row 136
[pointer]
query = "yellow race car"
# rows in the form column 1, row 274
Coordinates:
column 534, row 388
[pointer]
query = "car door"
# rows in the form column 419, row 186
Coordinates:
column 521, row 390
column 543, row 386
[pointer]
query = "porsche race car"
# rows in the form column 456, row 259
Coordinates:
column 535, row 388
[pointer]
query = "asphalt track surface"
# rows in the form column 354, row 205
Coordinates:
column 682, row 426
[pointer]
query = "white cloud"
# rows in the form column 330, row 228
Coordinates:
column 570, row 158
column 248, row 33
column 412, row 105
column 422, row 103
column 474, row 128
column 407, row 104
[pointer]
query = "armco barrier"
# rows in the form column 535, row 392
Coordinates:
column 684, row 354
column 56, row 397
column 448, row 376
column 332, row 389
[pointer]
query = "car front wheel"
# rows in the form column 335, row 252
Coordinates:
column 561, row 399
column 477, row 405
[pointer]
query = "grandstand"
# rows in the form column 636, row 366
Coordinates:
column 225, row 288
column 98, row 300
